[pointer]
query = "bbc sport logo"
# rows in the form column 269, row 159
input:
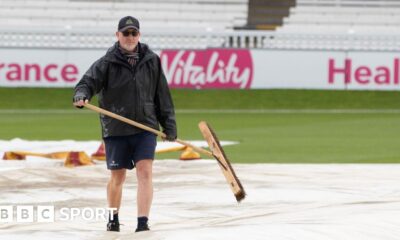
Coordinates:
column 29, row 214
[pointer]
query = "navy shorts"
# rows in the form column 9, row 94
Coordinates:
column 126, row 151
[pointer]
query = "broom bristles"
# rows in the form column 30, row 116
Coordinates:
column 240, row 194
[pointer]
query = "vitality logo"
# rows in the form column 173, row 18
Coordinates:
column 210, row 68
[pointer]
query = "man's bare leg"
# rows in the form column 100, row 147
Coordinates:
column 114, row 188
column 144, row 174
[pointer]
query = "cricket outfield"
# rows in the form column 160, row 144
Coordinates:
column 284, row 201
column 271, row 126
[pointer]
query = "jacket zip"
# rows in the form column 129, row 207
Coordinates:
column 137, row 92
column 138, row 106
column 133, row 71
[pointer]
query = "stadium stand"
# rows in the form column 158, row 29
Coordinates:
column 82, row 24
column 344, row 16
column 182, row 24
column 340, row 25
column 268, row 14
column 154, row 14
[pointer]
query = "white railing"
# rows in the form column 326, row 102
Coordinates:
column 161, row 39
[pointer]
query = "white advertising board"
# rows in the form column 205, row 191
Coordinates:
column 216, row 68
column 44, row 67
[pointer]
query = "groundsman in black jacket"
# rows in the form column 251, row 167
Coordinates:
column 130, row 82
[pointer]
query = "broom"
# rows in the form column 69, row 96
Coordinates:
column 227, row 169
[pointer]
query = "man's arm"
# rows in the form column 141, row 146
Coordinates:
column 90, row 84
column 164, row 106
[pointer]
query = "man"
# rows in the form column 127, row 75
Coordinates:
column 130, row 82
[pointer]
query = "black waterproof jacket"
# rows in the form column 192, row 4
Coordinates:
column 140, row 93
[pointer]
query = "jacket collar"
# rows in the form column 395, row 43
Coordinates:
column 114, row 54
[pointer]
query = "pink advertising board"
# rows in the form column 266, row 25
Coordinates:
column 209, row 68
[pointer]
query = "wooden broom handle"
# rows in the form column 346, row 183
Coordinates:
column 144, row 127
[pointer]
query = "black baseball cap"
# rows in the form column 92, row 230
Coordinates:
column 128, row 22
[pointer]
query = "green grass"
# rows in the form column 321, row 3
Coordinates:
column 263, row 136
column 60, row 98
